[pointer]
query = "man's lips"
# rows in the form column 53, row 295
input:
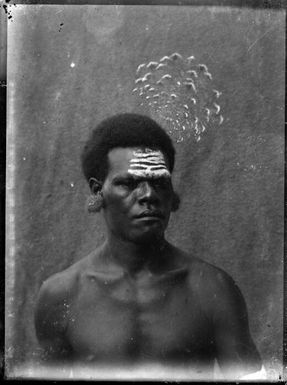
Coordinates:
column 150, row 214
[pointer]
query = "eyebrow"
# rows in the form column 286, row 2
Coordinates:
column 127, row 176
column 124, row 177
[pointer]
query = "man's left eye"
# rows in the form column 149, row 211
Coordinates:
column 161, row 183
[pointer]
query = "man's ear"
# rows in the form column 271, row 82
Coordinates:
column 175, row 202
column 95, row 185
column 95, row 201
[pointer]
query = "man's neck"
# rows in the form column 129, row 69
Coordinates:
column 136, row 257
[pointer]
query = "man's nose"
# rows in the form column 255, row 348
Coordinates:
column 146, row 192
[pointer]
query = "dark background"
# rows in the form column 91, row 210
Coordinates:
column 231, row 187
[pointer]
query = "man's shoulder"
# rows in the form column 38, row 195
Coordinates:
column 205, row 276
column 63, row 285
column 214, row 287
column 207, row 271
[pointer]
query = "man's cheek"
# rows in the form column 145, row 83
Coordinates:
column 115, row 198
column 119, row 208
column 166, row 198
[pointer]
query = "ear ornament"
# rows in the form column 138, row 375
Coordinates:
column 95, row 202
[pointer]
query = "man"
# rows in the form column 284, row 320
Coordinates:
column 137, row 298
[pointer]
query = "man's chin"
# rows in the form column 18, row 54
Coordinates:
column 148, row 236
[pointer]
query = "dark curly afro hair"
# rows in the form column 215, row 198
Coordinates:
column 123, row 130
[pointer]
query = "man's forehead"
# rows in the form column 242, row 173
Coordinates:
column 127, row 158
column 121, row 154
column 126, row 154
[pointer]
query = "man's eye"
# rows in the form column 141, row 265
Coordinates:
column 130, row 184
column 161, row 183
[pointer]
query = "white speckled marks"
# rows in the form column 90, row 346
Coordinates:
column 148, row 163
column 180, row 93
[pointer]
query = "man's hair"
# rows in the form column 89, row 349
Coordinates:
column 123, row 130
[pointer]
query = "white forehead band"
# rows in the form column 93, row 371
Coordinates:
column 148, row 163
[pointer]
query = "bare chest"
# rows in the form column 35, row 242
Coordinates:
column 145, row 319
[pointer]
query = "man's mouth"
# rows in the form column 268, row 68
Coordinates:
column 151, row 214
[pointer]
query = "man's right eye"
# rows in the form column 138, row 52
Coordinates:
column 127, row 183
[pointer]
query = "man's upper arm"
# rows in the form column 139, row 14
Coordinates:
column 51, row 314
column 236, row 352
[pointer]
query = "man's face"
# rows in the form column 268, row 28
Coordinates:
column 137, row 193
